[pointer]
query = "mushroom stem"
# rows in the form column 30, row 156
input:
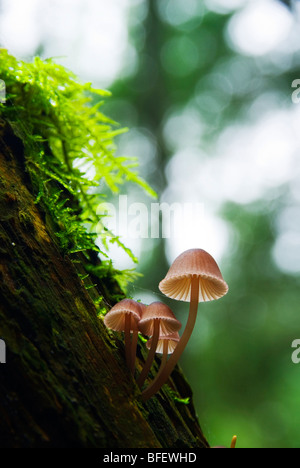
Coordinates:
column 233, row 442
column 151, row 354
column 164, row 356
column 133, row 347
column 127, row 340
column 171, row 363
column 162, row 363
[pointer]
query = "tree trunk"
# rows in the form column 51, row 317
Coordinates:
column 64, row 381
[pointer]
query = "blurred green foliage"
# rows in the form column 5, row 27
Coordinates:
column 239, row 358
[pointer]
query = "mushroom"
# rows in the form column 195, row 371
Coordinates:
column 157, row 319
column 166, row 345
column 232, row 445
column 193, row 277
column 125, row 317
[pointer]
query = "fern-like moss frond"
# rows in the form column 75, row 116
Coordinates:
column 65, row 135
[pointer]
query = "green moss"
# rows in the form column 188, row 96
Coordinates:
column 65, row 134
column 174, row 396
column 26, row 221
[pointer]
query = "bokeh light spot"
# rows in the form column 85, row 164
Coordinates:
column 260, row 27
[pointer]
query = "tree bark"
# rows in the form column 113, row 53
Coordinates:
column 65, row 382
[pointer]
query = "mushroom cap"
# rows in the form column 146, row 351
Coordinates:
column 158, row 310
column 115, row 318
column 199, row 263
column 172, row 339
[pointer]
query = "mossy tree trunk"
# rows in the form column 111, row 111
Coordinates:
column 65, row 382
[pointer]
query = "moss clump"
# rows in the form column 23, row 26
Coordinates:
column 66, row 138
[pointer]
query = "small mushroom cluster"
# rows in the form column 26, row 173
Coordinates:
column 193, row 277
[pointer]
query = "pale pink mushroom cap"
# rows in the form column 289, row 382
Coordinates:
column 195, row 262
column 172, row 339
column 158, row 310
column 115, row 318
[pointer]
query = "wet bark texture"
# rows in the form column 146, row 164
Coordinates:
column 65, row 381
